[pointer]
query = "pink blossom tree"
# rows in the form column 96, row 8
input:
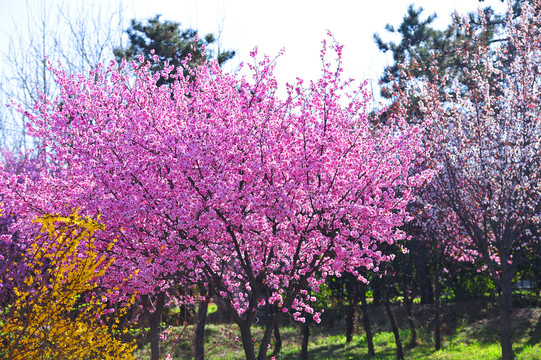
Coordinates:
column 216, row 180
column 487, row 141
column 438, row 229
column 13, row 267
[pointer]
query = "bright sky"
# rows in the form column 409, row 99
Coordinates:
column 296, row 25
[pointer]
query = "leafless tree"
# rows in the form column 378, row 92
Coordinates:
column 77, row 33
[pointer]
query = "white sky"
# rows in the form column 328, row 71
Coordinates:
column 296, row 25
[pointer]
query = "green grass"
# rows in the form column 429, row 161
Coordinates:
column 465, row 338
column 212, row 308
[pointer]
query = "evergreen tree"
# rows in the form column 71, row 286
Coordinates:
column 422, row 47
column 166, row 40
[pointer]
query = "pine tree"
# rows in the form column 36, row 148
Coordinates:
column 166, row 40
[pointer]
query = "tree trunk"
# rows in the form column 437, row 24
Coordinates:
column 305, row 338
column 437, row 317
column 506, row 308
column 376, row 291
column 350, row 319
column 421, row 260
column 199, row 332
column 366, row 322
column 269, row 327
column 278, row 339
column 246, row 337
column 394, row 326
column 154, row 320
column 409, row 303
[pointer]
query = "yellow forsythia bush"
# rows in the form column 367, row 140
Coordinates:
column 47, row 320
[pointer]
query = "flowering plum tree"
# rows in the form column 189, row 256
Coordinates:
column 216, row 180
column 13, row 267
column 438, row 229
column 487, row 140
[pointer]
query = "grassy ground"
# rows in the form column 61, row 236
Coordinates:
column 470, row 332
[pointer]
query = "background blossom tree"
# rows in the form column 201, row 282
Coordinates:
column 13, row 267
column 487, row 141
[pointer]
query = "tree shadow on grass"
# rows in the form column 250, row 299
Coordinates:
column 484, row 331
column 535, row 336
column 342, row 351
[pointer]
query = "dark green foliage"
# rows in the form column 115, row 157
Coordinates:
column 419, row 39
column 166, row 40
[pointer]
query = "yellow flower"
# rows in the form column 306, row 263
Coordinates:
column 47, row 320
